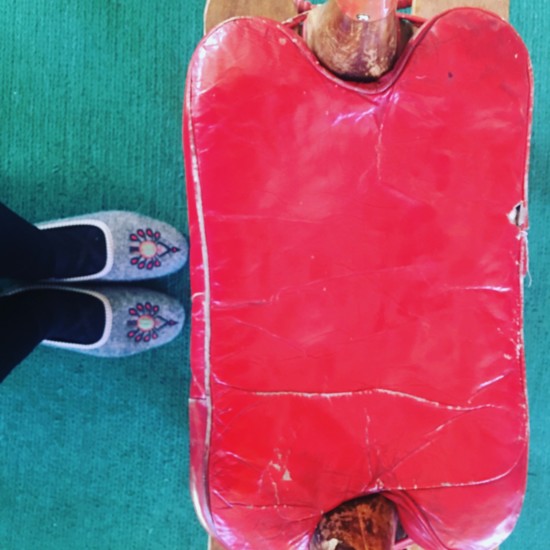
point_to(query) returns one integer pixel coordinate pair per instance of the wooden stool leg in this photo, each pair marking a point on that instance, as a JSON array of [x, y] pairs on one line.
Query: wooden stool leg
[[356, 47], [429, 8], [217, 11], [213, 545], [367, 523]]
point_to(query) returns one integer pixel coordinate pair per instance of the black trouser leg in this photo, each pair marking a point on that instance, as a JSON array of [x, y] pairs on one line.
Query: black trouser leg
[[33, 254], [26, 251], [28, 317], [20, 332]]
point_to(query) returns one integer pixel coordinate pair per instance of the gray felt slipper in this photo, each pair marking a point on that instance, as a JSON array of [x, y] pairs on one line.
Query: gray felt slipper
[[136, 320], [138, 247]]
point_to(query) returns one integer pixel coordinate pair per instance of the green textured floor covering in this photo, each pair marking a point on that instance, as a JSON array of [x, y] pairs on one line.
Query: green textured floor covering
[[94, 454]]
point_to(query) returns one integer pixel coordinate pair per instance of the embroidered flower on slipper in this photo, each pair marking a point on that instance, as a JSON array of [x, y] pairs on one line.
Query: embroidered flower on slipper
[[150, 249], [146, 322]]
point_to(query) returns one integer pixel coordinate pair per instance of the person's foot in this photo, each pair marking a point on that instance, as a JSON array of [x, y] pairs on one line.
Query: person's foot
[[103, 321], [114, 246]]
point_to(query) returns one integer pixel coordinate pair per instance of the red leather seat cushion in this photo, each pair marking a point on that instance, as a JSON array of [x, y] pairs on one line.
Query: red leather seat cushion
[[356, 265]]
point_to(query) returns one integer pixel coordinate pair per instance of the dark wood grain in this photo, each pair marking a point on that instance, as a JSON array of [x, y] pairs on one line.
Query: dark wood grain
[[367, 523], [351, 48]]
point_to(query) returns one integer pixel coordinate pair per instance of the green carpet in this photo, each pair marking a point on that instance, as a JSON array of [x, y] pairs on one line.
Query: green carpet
[[94, 453]]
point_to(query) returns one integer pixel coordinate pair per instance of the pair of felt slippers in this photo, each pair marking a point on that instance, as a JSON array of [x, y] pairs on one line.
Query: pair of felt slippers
[[117, 246]]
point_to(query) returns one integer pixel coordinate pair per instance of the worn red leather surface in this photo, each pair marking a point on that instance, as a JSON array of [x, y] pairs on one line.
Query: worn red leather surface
[[357, 255]]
